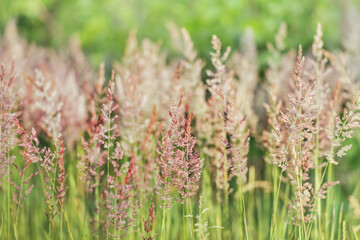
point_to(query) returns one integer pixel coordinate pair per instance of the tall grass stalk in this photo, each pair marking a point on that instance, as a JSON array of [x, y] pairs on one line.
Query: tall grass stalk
[[329, 200], [317, 177], [190, 219], [277, 177], [97, 205], [163, 232], [18, 208], [340, 221], [219, 219], [308, 229], [9, 204], [300, 145], [108, 170], [243, 210]]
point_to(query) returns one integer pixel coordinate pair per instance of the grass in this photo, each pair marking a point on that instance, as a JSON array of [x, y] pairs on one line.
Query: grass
[[193, 168]]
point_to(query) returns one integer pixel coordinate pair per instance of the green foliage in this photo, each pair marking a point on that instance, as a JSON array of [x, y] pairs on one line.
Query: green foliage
[[103, 26]]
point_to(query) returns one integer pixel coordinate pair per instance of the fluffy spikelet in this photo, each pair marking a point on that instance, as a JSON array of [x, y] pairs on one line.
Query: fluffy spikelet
[[67, 71], [275, 102], [118, 201], [231, 141], [202, 226], [179, 163], [24, 188], [318, 44], [296, 156], [46, 105], [8, 122], [245, 81], [343, 129], [102, 133]]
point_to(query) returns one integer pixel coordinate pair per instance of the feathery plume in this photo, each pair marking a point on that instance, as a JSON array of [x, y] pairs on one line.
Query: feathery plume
[[179, 163], [8, 122]]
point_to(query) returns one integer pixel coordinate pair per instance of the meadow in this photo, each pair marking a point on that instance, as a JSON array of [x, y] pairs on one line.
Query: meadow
[[180, 147]]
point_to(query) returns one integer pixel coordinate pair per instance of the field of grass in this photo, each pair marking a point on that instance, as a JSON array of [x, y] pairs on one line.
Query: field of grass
[[171, 146]]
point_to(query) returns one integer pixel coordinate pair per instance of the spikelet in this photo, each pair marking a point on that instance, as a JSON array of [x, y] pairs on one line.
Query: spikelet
[[231, 141], [179, 162], [8, 122], [148, 224]]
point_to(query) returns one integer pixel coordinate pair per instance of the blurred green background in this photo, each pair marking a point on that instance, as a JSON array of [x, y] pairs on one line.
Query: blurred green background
[[103, 25]]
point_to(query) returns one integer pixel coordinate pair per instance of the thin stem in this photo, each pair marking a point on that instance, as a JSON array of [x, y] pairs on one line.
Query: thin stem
[[299, 177], [84, 220], [328, 202], [163, 222], [226, 202], [316, 197], [9, 204], [190, 218], [61, 225], [317, 170], [108, 167], [184, 224], [218, 219], [243, 210], [275, 206], [62, 207], [68, 224], [284, 210], [299, 181], [18, 208], [49, 232], [327, 164], [54, 189], [98, 212]]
